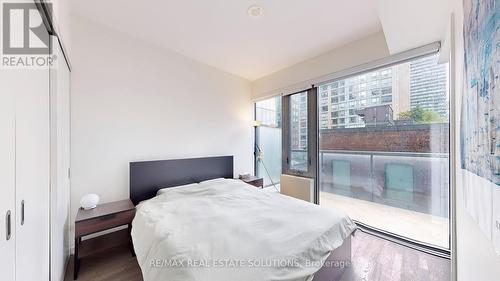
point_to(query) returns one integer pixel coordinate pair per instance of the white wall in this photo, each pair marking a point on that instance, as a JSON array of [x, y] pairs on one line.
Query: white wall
[[476, 259], [368, 49], [132, 101], [62, 19]]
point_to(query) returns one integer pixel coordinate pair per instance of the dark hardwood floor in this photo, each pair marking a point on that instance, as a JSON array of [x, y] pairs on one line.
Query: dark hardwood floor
[[376, 259], [114, 265], [373, 259]]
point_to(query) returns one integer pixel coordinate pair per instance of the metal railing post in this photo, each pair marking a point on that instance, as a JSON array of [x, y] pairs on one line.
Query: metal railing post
[[372, 173]]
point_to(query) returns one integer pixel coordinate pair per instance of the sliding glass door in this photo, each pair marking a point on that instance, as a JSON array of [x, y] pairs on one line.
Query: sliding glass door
[[300, 134], [384, 149]]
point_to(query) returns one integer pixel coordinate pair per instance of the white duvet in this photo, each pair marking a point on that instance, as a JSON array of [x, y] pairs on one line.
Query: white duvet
[[228, 230]]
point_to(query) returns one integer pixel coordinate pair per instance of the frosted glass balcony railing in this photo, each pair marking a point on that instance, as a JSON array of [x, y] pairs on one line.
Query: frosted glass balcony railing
[[269, 141], [403, 193], [413, 181]]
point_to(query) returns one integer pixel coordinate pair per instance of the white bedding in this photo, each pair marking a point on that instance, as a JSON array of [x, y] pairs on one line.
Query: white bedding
[[229, 230]]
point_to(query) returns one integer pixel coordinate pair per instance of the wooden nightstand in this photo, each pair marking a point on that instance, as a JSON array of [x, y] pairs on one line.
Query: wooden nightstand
[[103, 217], [255, 181]]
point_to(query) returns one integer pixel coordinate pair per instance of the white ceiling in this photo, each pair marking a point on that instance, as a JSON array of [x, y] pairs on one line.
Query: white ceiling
[[221, 34]]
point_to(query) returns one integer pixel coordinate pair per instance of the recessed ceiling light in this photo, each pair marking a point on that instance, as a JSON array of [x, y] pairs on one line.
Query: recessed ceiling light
[[255, 11]]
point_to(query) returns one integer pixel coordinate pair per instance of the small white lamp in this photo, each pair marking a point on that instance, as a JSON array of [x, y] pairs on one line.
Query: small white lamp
[[89, 201]]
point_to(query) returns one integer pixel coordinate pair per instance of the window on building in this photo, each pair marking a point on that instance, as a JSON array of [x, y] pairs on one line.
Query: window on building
[[386, 90], [386, 99], [385, 82]]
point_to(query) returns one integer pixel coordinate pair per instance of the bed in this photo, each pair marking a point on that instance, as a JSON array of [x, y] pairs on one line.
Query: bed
[[195, 222]]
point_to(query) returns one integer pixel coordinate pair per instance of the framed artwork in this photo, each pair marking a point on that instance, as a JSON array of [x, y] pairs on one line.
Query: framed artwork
[[480, 115]]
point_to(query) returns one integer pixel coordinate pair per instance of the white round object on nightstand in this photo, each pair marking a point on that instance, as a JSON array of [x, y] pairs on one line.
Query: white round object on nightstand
[[255, 11], [89, 201]]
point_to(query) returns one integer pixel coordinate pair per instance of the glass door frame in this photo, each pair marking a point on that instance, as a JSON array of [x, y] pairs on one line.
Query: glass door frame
[[312, 138]]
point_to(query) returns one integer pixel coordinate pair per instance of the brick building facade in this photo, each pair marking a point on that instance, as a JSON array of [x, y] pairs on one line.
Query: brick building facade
[[416, 138]]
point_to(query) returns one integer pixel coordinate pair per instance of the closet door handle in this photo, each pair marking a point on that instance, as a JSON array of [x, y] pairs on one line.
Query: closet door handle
[[22, 212], [8, 226]]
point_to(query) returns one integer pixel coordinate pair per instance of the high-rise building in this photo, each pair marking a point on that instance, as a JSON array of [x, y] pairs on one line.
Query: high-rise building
[[298, 114], [340, 100], [422, 82], [429, 85]]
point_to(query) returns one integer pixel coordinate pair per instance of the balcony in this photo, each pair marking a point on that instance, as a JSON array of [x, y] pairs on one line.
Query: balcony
[[394, 178], [400, 192]]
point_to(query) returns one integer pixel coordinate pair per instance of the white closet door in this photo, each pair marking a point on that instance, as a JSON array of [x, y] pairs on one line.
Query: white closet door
[[32, 176], [7, 174]]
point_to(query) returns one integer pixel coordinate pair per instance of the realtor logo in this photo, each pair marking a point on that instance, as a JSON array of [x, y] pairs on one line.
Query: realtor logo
[[23, 30], [25, 40]]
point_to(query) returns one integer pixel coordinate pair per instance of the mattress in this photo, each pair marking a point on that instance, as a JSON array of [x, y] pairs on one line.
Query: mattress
[[229, 230]]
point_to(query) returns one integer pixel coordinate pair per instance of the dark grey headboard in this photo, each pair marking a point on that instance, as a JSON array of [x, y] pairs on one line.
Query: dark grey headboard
[[149, 176]]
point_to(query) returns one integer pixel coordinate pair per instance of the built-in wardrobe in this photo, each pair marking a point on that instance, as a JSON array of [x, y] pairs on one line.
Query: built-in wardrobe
[[34, 168]]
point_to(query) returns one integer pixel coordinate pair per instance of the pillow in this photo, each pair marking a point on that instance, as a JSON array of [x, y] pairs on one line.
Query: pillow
[[212, 181], [163, 190]]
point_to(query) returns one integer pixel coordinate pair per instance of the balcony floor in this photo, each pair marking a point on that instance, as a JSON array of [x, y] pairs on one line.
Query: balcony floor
[[417, 226]]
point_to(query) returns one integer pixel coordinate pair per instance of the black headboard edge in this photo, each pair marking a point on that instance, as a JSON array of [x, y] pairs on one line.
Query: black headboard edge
[[147, 177]]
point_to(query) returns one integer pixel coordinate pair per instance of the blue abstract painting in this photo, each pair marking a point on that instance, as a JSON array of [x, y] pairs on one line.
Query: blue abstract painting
[[480, 132]]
